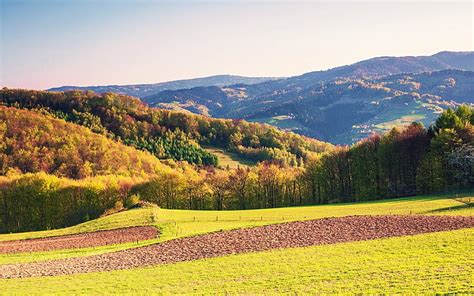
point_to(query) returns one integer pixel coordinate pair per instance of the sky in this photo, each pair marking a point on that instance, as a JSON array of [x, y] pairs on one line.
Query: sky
[[48, 43]]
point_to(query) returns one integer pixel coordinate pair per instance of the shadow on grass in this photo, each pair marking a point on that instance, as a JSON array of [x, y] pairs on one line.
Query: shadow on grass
[[451, 209]]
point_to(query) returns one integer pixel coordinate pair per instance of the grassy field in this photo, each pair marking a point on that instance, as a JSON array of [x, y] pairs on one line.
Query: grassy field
[[283, 122], [272, 271], [438, 262]]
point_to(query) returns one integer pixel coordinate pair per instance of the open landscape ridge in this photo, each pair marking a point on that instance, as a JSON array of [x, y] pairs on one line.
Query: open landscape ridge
[[201, 235], [344, 104]]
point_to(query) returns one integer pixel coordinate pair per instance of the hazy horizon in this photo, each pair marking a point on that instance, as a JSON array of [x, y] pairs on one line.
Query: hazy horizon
[[53, 43]]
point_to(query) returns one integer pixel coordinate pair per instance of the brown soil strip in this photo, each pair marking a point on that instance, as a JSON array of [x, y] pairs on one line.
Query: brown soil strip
[[286, 235], [82, 240]]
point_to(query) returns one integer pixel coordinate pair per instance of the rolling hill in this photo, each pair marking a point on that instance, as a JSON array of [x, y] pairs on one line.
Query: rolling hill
[[344, 104], [143, 90]]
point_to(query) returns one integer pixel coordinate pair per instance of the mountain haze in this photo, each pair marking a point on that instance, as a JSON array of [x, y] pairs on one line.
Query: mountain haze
[[142, 90]]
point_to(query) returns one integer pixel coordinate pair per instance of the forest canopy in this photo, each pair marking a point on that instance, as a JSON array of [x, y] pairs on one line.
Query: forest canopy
[[32, 142]]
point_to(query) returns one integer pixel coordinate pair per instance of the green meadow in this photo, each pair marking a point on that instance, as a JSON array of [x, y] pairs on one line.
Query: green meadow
[[180, 223]]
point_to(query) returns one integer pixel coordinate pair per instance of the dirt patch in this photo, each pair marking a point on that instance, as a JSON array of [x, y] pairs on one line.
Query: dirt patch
[[82, 240], [286, 235]]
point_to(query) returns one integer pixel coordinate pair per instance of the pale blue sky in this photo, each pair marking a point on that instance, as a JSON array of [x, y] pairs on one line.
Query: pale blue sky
[[51, 43]]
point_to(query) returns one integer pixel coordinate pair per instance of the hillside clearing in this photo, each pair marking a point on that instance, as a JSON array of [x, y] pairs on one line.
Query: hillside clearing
[[229, 159]]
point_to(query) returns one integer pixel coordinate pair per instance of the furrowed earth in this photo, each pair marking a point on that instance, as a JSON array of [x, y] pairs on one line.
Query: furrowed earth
[[285, 235], [84, 240], [108, 250]]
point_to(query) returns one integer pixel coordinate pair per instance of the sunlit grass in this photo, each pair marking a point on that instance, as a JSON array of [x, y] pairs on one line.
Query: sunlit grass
[[229, 159], [178, 223], [430, 263]]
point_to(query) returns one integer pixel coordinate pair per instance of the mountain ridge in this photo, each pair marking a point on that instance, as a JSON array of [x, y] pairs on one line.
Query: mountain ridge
[[146, 89]]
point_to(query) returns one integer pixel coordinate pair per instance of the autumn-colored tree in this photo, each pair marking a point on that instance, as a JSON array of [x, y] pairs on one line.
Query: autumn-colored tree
[[219, 183], [239, 185]]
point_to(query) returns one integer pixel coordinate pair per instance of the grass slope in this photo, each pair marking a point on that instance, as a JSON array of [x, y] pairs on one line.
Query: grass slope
[[138, 217], [438, 262], [229, 159], [207, 221]]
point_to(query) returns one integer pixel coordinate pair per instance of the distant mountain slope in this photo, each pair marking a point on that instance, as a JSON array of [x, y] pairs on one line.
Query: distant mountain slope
[[341, 104], [383, 66], [143, 90], [347, 110]]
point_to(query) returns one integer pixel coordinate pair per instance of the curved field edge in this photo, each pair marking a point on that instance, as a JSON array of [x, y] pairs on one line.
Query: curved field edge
[[427, 263], [181, 223], [432, 204]]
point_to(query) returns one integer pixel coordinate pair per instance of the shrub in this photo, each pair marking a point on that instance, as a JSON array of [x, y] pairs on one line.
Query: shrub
[[132, 200]]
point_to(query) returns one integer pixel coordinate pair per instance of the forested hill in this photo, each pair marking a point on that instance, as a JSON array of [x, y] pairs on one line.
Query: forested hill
[[400, 163], [167, 134], [31, 142]]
